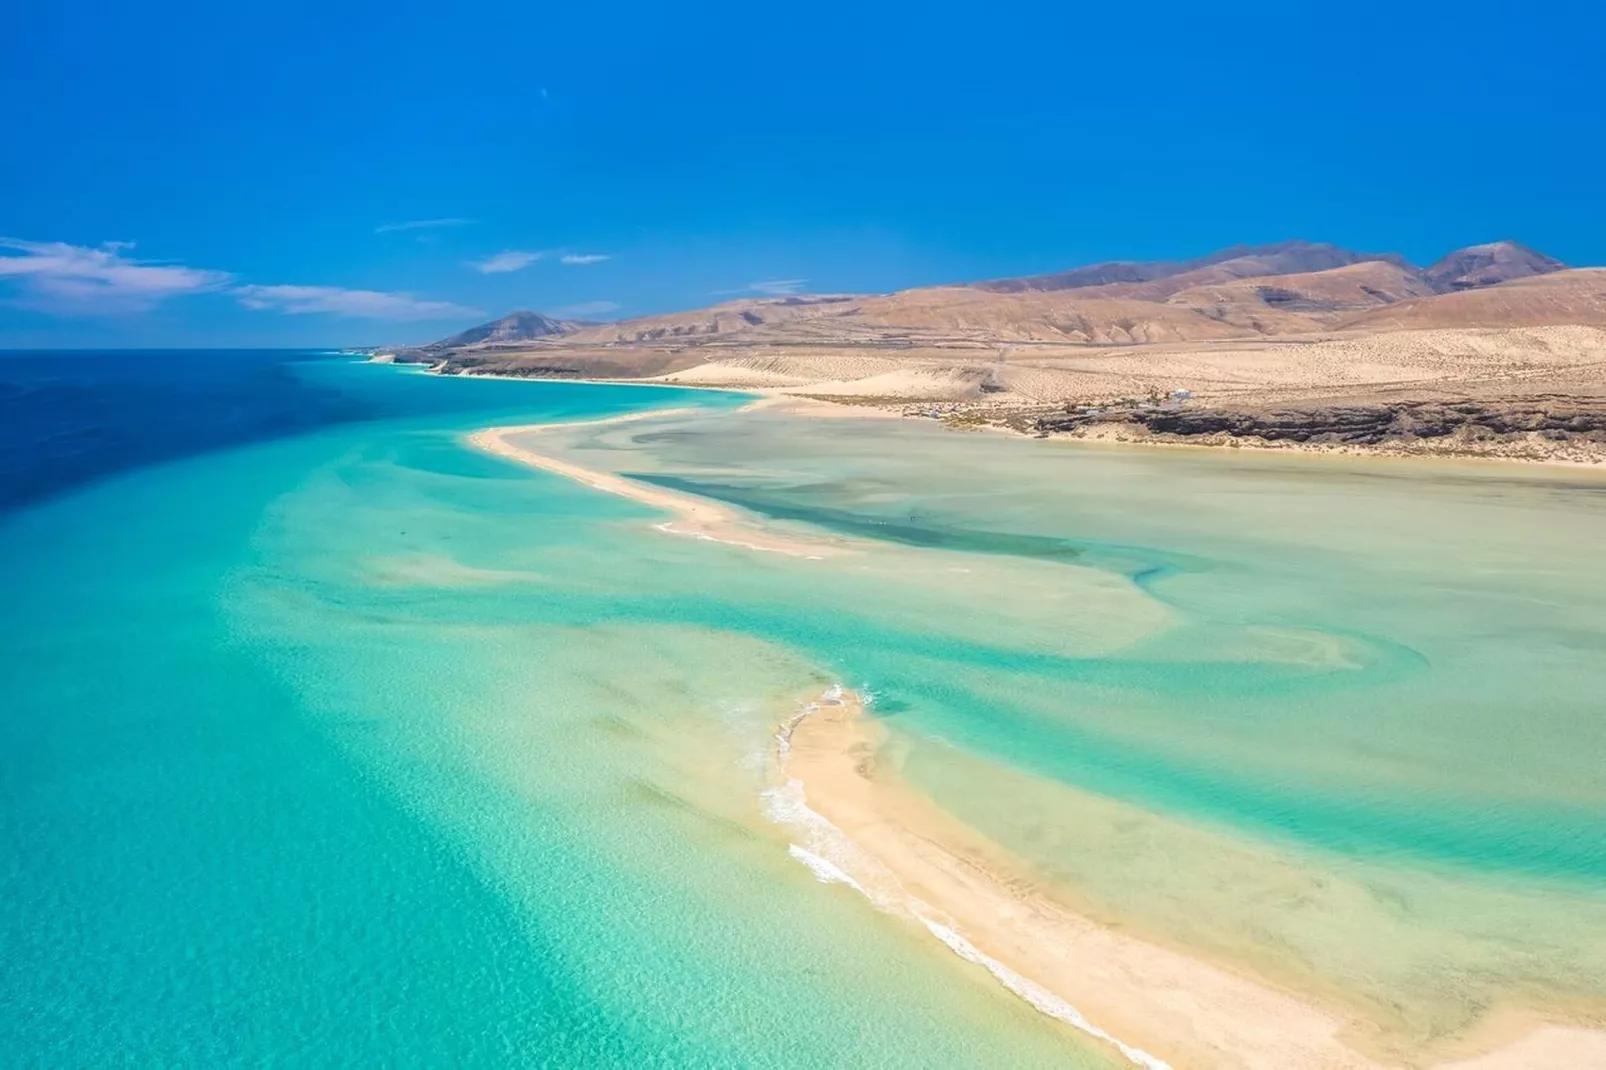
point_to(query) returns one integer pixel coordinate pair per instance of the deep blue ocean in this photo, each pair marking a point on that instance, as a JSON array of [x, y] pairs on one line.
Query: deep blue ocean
[[71, 416]]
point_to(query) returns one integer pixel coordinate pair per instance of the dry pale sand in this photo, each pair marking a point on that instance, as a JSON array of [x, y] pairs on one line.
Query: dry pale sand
[[1224, 370], [858, 824], [813, 408], [695, 517]]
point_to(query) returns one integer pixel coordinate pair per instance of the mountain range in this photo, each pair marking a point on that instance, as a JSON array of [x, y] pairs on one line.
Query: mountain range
[[1288, 288], [1495, 348]]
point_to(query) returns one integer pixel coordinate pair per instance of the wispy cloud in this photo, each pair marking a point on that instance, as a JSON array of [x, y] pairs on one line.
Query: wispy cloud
[[421, 224], [778, 287], [584, 310], [506, 260], [519, 259], [67, 279], [338, 301], [769, 288], [77, 280]]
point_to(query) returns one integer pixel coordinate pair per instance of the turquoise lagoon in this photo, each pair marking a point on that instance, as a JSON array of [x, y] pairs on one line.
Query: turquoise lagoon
[[351, 745]]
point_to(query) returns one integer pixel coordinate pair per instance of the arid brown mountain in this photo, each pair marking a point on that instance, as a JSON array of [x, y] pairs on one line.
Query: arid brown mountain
[[1489, 265], [1308, 301], [718, 321], [513, 327], [1575, 296], [1278, 290], [1495, 349], [1154, 280], [962, 315]]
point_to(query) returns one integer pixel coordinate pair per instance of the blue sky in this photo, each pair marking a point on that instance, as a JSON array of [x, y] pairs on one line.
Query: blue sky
[[338, 173]]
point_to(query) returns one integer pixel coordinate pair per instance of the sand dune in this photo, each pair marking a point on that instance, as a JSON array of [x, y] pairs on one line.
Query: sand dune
[[1344, 363]]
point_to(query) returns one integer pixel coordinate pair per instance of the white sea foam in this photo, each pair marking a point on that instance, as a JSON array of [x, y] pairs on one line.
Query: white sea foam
[[832, 696], [668, 527], [1035, 994], [786, 805], [825, 870], [783, 735]]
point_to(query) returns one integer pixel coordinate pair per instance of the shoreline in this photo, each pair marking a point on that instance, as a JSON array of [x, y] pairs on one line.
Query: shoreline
[[1157, 1007], [763, 397], [694, 517], [847, 407], [853, 821]]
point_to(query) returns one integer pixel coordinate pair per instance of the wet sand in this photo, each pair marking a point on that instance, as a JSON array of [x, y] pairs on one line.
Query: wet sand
[[695, 517], [860, 825]]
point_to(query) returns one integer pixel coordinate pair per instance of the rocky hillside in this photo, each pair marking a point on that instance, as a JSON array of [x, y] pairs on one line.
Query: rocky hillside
[[513, 327], [1289, 289], [1154, 280], [1576, 296], [1489, 265]]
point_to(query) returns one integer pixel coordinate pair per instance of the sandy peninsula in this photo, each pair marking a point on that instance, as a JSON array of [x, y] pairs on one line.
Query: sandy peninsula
[[857, 823], [694, 517]]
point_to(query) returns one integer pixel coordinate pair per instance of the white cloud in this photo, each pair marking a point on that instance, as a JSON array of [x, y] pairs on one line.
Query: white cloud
[[70, 279], [77, 280], [337, 301], [507, 260], [585, 258], [421, 224], [584, 310], [777, 287], [769, 288]]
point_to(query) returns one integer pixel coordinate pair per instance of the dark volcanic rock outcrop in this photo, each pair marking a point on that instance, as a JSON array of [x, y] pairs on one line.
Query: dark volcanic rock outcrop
[[1559, 419]]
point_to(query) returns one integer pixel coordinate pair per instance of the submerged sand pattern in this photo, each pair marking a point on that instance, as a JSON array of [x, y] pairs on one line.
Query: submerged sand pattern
[[865, 828], [858, 822]]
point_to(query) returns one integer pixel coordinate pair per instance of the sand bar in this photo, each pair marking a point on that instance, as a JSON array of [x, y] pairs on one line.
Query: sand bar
[[694, 517], [858, 824]]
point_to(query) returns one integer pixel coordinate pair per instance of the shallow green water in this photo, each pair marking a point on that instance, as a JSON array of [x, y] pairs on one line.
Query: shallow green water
[[363, 747], [357, 749], [1339, 720]]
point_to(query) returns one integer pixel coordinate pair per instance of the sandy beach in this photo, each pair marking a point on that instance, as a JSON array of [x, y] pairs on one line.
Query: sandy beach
[[694, 517], [861, 826], [1005, 418]]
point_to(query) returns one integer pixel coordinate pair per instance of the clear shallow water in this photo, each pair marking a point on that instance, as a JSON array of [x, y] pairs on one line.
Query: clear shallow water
[[358, 746], [1335, 720], [325, 750]]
